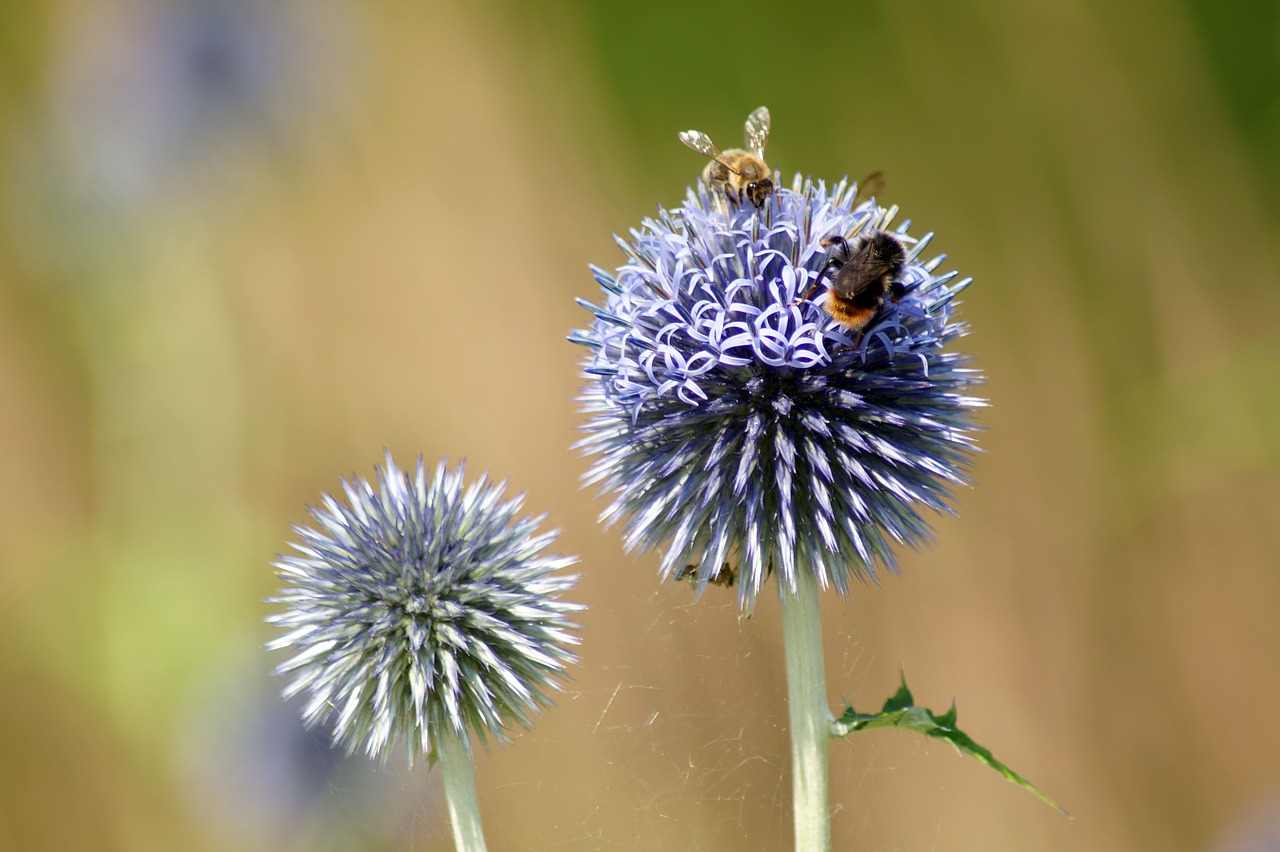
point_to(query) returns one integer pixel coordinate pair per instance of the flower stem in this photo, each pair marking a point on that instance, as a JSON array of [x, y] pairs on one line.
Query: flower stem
[[460, 792], [810, 715]]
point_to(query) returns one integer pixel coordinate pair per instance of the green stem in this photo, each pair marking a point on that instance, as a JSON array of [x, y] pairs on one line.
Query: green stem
[[810, 715], [460, 792]]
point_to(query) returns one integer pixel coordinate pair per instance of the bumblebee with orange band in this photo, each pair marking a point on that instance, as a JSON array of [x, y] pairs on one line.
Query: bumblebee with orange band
[[862, 273]]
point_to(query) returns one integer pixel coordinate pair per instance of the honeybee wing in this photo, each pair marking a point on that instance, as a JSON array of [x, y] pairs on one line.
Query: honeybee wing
[[871, 185], [701, 142], [757, 131]]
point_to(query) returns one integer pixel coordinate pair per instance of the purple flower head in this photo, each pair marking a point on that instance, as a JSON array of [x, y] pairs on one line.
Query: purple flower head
[[420, 605], [738, 427]]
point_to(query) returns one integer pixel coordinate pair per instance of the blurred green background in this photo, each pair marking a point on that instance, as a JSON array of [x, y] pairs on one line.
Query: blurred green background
[[244, 246]]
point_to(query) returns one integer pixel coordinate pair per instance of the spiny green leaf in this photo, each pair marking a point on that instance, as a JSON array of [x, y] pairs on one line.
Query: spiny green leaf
[[900, 712]]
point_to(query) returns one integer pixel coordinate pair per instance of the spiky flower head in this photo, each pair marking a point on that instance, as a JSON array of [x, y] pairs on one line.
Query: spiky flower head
[[422, 608], [744, 432]]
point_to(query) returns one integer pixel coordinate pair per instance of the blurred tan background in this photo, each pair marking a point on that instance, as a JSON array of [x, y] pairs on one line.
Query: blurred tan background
[[247, 245]]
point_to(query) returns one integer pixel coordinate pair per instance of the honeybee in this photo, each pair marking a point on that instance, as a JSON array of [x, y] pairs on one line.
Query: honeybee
[[736, 172], [863, 272]]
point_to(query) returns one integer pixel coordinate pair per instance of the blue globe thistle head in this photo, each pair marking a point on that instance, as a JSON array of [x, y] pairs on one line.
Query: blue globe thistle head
[[422, 607], [739, 428]]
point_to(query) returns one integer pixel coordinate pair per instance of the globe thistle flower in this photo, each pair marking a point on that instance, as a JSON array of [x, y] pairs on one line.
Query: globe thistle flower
[[738, 427], [152, 98], [421, 610]]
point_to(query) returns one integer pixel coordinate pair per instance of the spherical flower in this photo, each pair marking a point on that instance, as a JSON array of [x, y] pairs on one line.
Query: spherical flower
[[155, 97], [422, 609], [739, 428]]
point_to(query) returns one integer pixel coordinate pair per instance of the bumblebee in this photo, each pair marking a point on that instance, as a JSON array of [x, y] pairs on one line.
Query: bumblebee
[[862, 272], [738, 173]]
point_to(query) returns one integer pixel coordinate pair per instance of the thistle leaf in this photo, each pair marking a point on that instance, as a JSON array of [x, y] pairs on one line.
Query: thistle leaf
[[900, 712]]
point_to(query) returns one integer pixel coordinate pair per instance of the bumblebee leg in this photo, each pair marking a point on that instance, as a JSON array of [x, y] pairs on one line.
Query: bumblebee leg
[[816, 283]]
